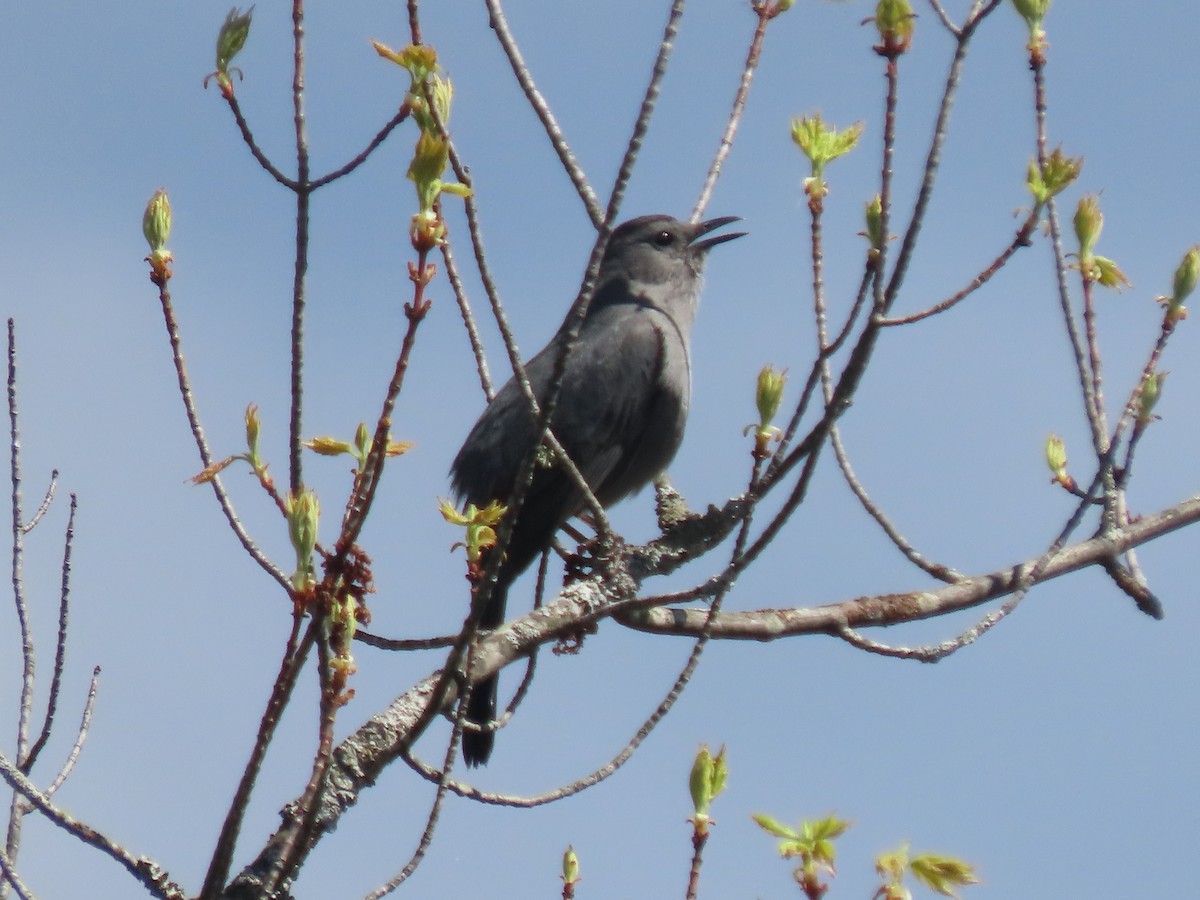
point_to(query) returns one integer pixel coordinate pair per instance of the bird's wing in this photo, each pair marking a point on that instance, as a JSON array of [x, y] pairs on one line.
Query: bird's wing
[[619, 418]]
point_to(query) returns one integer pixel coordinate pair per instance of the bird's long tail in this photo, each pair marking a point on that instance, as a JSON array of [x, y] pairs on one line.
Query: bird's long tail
[[481, 708]]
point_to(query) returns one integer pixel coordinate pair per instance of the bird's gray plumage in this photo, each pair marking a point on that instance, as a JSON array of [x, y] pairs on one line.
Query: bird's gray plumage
[[620, 413]]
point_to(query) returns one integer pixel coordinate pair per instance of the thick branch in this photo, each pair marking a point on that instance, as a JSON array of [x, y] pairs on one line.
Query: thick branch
[[893, 609], [360, 759]]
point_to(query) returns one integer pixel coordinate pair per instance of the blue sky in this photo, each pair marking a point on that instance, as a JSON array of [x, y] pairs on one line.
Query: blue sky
[[1058, 753]]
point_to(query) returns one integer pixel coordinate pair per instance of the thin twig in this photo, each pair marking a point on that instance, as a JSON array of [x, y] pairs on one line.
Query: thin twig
[[468, 317], [542, 109], [945, 17], [401, 114], [765, 12], [937, 570], [60, 649], [933, 159], [374, 640], [28, 665], [47, 499], [431, 820], [10, 878], [255, 150], [206, 458], [85, 724], [303, 190], [146, 871], [1022, 239], [640, 126]]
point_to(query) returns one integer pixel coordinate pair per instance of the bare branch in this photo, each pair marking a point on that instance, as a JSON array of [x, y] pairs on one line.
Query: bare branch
[[569, 163], [47, 499], [10, 878], [28, 664], [146, 871], [765, 12], [937, 570], [85, 724], [401, 114], [206, 459], [1022, 239], [60, 649]]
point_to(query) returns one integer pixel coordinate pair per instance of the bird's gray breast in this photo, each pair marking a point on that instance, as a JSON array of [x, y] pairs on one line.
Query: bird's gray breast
[[636, 374]]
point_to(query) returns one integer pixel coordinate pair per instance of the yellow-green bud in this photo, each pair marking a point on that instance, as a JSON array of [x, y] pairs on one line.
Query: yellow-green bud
[[1108, 273], [253, 426], [232, 38], [942, 873], [822, 144], [1033, 12], [892, 865], [419, 60], [707, 780], [1149, 394], [769, 394], [894, 20], [326, 445], [1186, 276], [303, 515], [1054, 176], [479, 523], [443, 94], [428, 163], [570, 866], [874, 216], [362, 442], [1056, 454], [1089, 222], [1056, 459], [156, 221], [774, 827]]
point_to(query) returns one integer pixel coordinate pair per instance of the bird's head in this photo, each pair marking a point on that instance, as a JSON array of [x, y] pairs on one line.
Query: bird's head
[[659, 249]]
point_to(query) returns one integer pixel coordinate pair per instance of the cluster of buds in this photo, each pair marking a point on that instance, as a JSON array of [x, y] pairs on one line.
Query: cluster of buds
[[342, 623], [941, 874], [251, 456], [706, 783], [768, 396], [812, 843], [428, 100], [156, 226], [1186, 276], [1089, 222], [822, 144], [359, 448], [1053, 176], [230, 41], [480, 525]]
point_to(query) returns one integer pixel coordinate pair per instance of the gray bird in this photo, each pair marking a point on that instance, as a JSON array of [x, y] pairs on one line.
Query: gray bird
[[620, 414]]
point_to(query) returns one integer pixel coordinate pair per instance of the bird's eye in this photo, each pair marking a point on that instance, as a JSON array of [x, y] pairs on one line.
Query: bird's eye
[[664, 239]]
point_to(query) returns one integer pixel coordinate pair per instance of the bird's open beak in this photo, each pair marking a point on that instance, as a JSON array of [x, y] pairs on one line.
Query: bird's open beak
[[711, 225]]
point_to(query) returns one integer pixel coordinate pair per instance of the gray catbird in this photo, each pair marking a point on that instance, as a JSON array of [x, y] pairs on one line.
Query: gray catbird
[[621, 408]]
